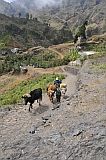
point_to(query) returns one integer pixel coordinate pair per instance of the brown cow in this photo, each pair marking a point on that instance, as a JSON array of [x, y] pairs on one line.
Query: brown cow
[[51, 89]]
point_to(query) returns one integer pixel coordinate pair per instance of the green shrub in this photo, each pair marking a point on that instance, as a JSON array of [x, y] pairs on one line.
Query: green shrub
[[72, 55], [4, 41], [95, 47]]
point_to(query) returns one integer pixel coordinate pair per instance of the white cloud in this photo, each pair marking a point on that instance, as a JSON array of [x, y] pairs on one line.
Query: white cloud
[[8, 0]]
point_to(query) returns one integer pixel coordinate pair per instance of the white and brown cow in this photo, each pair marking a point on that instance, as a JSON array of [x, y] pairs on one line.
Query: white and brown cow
[[63, 88]]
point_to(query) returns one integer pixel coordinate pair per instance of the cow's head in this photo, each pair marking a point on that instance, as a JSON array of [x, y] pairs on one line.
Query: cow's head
[[26, 98]]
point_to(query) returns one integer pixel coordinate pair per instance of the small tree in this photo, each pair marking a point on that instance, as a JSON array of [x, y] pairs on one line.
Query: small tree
[[81, 31]]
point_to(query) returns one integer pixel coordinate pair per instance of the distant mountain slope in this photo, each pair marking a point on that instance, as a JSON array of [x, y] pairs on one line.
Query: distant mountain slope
[[10, 8], [56, 13], [75, 12], [24, 32], [5, 7]]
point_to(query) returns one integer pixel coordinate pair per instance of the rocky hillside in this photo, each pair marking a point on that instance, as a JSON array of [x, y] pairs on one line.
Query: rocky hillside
[[75, 12]]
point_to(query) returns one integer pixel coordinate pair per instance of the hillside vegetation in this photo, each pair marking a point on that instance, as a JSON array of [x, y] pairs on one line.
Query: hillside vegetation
[[13, 94], [25, 32], [14, 84], [45, 59]]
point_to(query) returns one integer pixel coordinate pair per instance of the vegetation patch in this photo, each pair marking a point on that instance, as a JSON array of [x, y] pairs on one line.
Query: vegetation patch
[[4, 41], [72, 55], [95, 47], [42, 60], [14, 95]]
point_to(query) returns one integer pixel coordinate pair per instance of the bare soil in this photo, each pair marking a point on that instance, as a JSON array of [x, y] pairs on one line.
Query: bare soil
[[74, 129]]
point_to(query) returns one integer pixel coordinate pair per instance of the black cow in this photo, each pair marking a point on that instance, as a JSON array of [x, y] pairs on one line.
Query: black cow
[[32, 96]]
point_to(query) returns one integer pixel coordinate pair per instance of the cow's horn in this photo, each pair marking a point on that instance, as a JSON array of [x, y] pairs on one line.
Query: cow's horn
[[27, 95]]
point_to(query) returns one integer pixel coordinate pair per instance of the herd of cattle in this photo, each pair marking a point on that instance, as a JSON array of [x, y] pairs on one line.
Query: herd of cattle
[[52, 91]]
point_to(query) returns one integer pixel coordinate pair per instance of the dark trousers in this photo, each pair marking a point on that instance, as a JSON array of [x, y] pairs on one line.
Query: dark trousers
[[58, 97]]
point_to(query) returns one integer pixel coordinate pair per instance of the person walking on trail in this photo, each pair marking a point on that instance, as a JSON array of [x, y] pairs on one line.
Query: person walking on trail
[[58, 94], [57, 82]]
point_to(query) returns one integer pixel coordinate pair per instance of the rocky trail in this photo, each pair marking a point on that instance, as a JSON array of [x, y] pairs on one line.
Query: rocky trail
[[75, 129]]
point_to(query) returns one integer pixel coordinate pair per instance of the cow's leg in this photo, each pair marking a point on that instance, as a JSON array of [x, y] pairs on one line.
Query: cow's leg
[[30, 106], [51, 99], [39, 102], [40, 99]]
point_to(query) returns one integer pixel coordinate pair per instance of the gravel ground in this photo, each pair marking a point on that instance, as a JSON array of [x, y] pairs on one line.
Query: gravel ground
[[75, 129]]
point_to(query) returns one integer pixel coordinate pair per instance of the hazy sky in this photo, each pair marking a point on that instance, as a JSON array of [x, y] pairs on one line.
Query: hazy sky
[[14, 0], [9, 0], [39, 3]]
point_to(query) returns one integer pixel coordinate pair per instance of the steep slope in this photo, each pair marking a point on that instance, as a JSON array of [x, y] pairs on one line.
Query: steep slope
[[73, 130]]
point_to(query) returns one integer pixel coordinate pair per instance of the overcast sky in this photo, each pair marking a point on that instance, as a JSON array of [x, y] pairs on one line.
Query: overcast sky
[[39, 3], [41, 0], [9, 0]]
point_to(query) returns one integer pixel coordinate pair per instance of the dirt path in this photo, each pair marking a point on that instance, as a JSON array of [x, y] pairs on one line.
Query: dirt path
[[55, 51], [73, 130], [61, 49]]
